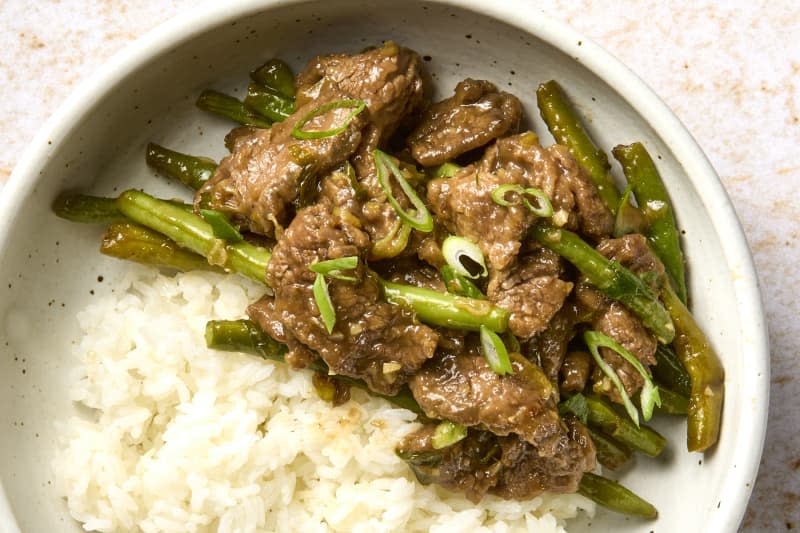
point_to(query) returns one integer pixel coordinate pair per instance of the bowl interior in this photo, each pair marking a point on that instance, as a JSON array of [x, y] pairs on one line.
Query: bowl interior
[[50, 268]]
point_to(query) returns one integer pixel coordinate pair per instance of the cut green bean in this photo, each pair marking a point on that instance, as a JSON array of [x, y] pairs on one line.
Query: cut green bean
[[229, 107], [610, 278], [705, 371], [610, 453], [564, 124], [87, 209], [654, 201], [268, 103], [447, 310], [190, 170], [460, 285], [614, 496], [194, 233], [275, 75], [670, 371], [604, 417], [125, 240]]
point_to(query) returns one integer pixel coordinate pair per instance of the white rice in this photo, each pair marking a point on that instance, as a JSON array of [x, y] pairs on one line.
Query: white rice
[[182, 439]]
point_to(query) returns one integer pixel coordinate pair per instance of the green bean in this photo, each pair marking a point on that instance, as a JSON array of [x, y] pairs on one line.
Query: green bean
[[654, 201], [268, 103], [670, 371], [610, 454], [614, 496], [672, 403], [246, 337], [87, 209], [194, 233], [275, 75], [125, 240], [705, 371], [447, 310], [609, 277], [190, 170], [564, 124], [229, 107], [459, 284], [604, 417]]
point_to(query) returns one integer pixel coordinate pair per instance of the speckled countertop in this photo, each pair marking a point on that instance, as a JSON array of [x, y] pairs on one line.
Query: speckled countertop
[[730, 71]]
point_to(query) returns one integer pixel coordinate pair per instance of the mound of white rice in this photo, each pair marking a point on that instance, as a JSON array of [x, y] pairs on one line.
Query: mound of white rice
[[184, 439]]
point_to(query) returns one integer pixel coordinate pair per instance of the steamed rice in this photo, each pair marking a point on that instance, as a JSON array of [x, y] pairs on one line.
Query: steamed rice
[[186, 439]]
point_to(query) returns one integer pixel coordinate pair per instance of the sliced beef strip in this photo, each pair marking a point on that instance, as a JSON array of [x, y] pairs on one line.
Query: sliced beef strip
[[463, 388], [506, 466], [531, 290], [575, 371], [464, 206], [526, 473], [263, 313], [574, 197], [548, 348], [474, 116], [373, 340], [613, 319], [391, 82]]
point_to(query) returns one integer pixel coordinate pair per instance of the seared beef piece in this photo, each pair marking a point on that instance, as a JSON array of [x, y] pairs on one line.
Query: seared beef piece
[[547, 349], [527, 473], [575, 371], [474, 116], [263, 313], [390, 81], [553, 170], [464, 205], [612, 318], [270, 172], [633, 252], [531, 291], [506, 466], [373, 340], [463, 388], [470, 466]]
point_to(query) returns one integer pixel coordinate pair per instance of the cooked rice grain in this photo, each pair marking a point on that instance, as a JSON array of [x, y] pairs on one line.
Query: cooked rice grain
[[184, 439]]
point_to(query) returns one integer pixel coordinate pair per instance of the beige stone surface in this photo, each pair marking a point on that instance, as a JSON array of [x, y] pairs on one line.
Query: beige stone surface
[[730, 70]]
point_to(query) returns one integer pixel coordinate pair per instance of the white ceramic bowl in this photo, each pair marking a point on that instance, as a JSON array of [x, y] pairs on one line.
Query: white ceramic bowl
[[96, 143]]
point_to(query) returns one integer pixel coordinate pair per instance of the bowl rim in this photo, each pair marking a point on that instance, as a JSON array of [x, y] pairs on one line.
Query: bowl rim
[[738, 482]]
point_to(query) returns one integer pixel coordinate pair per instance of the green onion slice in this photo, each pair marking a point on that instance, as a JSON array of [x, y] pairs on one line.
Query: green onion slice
[[495, 352], [420, 219], [334, 268], [520, 195], [324, 304], [464, 256], [460, 285], [446, 434], [357, 105], [649, 397], [220, 226]]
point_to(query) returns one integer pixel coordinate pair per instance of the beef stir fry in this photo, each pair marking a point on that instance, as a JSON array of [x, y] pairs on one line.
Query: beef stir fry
[[439, 256]]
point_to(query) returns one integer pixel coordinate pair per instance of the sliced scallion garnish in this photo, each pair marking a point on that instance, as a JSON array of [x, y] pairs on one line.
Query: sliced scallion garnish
[[446, 434], [495, 352], [464, 256], [420, 219], [520, 195], [649, 397], [324, 303], [220, 226], [334, 268], [357, 105], [460, 285]]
